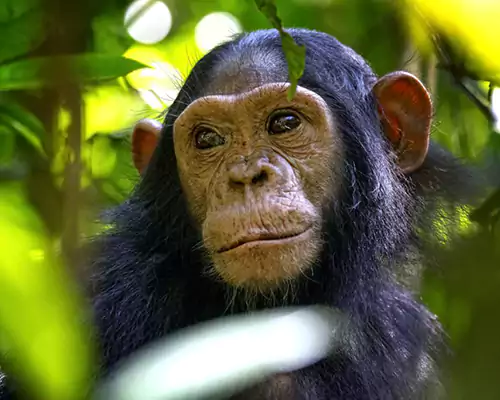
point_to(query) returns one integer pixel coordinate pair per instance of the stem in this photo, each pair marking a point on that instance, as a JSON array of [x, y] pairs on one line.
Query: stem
[[431, 78], [72, 177]]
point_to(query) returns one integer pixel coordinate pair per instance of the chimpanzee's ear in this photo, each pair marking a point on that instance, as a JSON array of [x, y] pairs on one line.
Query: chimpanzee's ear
[[144, 140], [405, 109]]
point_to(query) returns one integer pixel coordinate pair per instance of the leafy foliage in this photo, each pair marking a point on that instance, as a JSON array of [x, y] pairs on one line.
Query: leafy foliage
[[35, 155], [40, 315], [27, 31], [41, 312], [22, 122]]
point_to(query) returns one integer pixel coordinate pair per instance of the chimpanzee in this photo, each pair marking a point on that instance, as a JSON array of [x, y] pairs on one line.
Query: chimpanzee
[[248, 200]]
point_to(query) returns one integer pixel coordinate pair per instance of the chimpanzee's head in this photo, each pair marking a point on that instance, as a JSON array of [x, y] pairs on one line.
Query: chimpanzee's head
[[269, 181]]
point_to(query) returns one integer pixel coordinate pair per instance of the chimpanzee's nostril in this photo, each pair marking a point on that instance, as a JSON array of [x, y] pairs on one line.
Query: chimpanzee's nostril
[[260, 178]]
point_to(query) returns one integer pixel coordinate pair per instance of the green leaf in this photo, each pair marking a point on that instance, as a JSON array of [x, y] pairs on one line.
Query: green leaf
[[86, 68], [295, 54], [24, 123], [110, 36], [41, 312], [117, 183], [12, 9], [296, 59], [7, 146], [25, 34]]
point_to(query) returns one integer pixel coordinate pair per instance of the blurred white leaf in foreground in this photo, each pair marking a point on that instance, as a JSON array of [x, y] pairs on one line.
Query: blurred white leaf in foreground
[[221, 357]]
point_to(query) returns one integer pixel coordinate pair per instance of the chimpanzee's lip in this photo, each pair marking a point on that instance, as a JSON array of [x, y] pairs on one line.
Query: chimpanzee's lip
[[263, 237]]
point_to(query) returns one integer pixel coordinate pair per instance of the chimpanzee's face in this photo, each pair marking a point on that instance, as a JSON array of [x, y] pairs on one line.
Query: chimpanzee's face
[[257, 171]]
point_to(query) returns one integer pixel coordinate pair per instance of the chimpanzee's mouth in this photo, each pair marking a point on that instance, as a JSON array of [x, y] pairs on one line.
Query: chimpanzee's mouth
[[263, 237]]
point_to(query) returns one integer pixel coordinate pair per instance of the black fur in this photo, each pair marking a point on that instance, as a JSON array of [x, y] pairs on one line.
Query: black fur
[[150, 277]]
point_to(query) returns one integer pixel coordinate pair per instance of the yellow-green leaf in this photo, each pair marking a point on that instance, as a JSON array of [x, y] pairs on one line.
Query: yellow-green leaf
[[41, 319], [103, 158], [85, 68], [295, 54], [473, 25]]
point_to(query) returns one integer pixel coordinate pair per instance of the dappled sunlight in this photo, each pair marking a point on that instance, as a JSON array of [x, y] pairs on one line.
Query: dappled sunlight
[[461, 223], [216, 28], [157, 85], [148, 21], [107, 107]]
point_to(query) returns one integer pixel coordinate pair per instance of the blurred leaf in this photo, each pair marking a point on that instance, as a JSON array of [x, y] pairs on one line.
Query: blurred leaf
[[87, 68], [295, 54], [25, 34], [103, 159], [164, 369], [472, 25], [459, 125], [180, 50], [110, 35], [493, 148], [119, 182], [11, 9], [24, 123], [101, 113], [7, 145], [41, 319]]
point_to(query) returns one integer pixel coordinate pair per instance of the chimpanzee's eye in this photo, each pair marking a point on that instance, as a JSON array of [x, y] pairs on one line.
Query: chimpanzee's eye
[[282, 122], [207, 138]]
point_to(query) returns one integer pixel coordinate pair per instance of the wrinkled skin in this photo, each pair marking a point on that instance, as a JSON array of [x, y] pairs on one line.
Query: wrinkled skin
[[257, 196]]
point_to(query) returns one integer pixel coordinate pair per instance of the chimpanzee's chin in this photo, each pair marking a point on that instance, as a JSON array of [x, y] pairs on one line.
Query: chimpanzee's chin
[[266, 265]]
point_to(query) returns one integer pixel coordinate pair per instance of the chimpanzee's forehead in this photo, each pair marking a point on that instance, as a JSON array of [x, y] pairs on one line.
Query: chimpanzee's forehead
[[237, 73]]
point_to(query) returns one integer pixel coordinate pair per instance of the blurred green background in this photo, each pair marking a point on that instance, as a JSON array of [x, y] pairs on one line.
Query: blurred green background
[[75, 76]]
